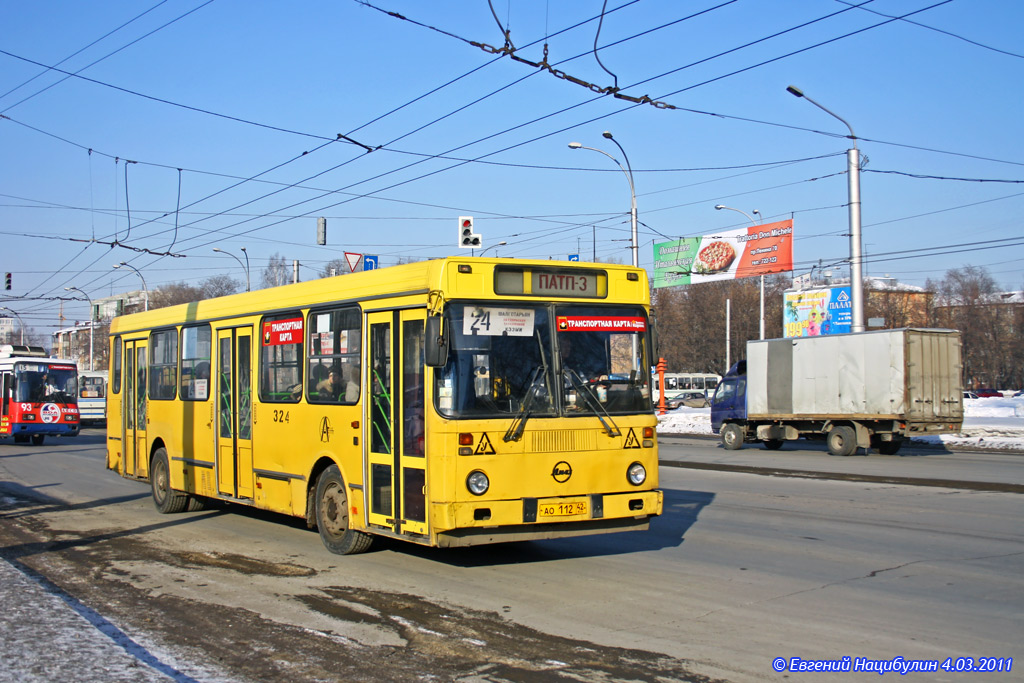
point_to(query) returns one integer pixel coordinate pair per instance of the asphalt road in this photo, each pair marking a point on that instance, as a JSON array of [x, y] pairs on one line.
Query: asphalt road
[[743, 568]]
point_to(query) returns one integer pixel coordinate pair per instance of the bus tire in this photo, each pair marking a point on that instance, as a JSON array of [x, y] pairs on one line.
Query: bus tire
[[332, 516], [732, 436], [841, 440], [38, 439], [20, 438], [166, 499]]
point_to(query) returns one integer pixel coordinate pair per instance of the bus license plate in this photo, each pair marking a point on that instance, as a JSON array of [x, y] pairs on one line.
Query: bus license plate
[[562, 508]]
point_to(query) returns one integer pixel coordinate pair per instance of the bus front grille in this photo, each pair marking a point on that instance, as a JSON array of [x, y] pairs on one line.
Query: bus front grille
[[564, 441]]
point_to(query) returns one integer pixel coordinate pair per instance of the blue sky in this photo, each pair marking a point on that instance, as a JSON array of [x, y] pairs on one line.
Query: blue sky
[[248, 99]]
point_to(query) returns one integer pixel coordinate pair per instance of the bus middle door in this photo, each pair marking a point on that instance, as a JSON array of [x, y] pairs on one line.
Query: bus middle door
[[395, 473], [234, 412], [134, 408]]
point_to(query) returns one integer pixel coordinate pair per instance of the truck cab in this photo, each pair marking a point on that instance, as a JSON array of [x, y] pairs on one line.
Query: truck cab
[[729, 402]]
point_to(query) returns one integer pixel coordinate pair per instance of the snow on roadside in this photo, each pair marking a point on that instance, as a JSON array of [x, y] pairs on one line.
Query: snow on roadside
[[992, 423]]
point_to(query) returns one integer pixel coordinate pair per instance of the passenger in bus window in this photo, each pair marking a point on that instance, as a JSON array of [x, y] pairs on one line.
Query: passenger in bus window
[[332, 386], [351, 374]]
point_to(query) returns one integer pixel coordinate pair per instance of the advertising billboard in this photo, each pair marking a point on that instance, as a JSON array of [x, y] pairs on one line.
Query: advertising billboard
[[729, 254], [815, 312]]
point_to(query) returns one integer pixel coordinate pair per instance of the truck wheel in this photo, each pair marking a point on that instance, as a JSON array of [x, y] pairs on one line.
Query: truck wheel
[[841, 440], [773, 444], [166, 499], [890, 447], [332, 516], [732, 437]]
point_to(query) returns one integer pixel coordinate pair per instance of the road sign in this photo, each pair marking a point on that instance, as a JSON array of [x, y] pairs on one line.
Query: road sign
[[574, 257], [371, 262], [352, 260]]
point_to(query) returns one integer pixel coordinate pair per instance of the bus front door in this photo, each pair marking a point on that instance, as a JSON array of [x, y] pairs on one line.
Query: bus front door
[[395, 471], [234, 412], [134, 409]]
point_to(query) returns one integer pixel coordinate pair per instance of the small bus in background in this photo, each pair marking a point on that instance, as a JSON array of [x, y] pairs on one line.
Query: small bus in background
[[38, 395], [678, 381], [92, 396]]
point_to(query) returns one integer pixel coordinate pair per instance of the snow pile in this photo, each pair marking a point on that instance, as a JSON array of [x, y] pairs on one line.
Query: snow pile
[[993, 423]]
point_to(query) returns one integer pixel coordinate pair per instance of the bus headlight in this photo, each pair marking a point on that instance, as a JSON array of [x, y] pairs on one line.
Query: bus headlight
[[477, 483], [637, 474]]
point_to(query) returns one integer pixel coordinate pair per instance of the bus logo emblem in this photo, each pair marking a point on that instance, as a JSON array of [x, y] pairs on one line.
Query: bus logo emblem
[[561, 472], [50, 413]]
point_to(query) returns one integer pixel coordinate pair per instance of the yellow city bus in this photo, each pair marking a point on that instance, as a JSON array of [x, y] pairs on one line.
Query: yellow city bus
[[452, 402]]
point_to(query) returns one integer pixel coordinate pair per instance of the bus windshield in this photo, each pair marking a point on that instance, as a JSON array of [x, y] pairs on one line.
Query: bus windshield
[[502, 355], [41, 382]]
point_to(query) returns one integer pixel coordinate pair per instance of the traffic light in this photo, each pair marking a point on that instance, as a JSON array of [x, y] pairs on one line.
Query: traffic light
[[7, 281], [467, 238]]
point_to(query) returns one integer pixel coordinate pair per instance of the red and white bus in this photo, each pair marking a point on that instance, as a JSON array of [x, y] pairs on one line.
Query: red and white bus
[[39, 395]]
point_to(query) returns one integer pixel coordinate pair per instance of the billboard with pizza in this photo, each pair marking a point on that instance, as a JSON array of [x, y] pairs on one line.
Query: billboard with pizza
[[743, 252]]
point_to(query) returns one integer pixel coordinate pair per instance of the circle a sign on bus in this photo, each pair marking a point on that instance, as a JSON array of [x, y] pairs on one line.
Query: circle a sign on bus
[[50, 413]]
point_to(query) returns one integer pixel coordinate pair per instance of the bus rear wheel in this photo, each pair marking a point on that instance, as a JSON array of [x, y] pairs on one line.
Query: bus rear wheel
[[166, 499], [332, 516], [38, 439]]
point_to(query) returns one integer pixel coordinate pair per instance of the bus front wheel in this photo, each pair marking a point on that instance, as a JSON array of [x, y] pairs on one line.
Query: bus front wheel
[[166, 499], [332, 516]]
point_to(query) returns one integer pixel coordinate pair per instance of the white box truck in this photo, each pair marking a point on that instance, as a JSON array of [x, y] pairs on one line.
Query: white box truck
[[860, 390]]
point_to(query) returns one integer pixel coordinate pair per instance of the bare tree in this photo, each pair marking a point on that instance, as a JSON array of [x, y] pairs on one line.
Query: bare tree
[[219, 285], [338, 266], [691, 321], [277, 272], [966, 300]]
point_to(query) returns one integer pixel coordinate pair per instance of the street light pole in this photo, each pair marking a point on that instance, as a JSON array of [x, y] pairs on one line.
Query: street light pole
[[145, 290], [856, 259], [493, 246], [722, 206], [91, 325], [20, 321], [246, 266], [628, 171]]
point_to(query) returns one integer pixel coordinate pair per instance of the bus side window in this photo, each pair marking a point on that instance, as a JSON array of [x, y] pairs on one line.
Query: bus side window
[[116, 377]]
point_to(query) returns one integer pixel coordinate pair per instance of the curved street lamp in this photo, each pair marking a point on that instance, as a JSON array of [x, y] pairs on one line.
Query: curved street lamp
[[145, 290], [856, 259], [246, 266], [91, 324], [493, 246], [628, 171], [719, 207], [11, 310]]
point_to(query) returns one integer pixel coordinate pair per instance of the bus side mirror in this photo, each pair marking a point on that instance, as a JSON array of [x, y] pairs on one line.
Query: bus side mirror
[[655, 348], [436, 351]]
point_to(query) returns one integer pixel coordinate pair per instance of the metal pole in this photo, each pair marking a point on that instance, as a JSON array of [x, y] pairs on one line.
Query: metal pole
[[145, 290], [856, 261], [728, 337], [751, 219], [239, 261], [247, 287], [91, 326], [632, 191], [19, 320]]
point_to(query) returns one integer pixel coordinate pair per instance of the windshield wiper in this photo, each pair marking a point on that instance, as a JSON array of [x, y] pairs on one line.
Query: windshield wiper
[[583, 389], [518, 426]]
